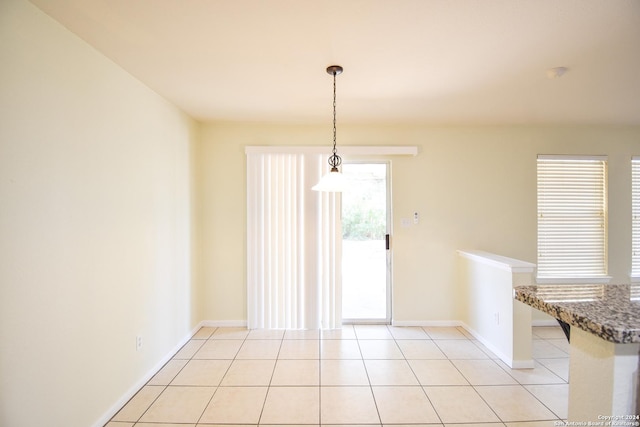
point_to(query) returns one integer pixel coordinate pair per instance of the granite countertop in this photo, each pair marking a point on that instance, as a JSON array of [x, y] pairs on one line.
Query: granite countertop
[[611, 312]]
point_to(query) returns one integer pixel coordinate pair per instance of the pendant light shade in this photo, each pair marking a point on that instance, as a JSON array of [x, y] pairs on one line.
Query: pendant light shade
[[333, 181]]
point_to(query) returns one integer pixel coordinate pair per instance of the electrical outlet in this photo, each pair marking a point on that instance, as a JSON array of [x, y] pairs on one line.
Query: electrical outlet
[[496, 317], [138, 343]]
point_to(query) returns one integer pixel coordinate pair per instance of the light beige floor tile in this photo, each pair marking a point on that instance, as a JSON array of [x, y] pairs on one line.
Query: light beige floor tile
[[137, 406], [343, 372], [548, 423], [235, 405], [408, 333], [202, 373], [417, 425], [475, 425], [408, 405], [348, 405], [555, 397], [466, 333], [179, 405], [437, 372], [380, 349], [485, 349], [296, 373], [542, 349], [345, 333], [302, 334], [165, 425], [265, 334], [189, 349], [218, 349], [420, 349], [299, 349], [279, 425], [536, 375], [203, 333], [483, 372], [514, 403], [460, 405], [340, 349], [372, 332], [168, 372], [561, 343], [548, 332], [559, 366], [390, 372], [230, 334], [259, 349], [292, 405], [249, 373], [444, 333], [368, 425], [458, 349]]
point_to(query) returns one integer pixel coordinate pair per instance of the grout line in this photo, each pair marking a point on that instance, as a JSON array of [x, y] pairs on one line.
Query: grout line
[[373, 395], [273, 372], [216, 389], [418, 379]]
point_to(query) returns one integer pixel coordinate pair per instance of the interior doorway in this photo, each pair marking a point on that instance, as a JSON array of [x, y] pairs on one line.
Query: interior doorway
[[366, 258]]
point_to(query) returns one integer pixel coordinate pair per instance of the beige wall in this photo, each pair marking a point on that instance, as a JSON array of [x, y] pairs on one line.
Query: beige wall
[[115, 206], [96, 226], [475, 188]]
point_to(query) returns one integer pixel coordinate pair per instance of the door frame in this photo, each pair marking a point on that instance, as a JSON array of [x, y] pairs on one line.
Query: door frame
[[389, 252]]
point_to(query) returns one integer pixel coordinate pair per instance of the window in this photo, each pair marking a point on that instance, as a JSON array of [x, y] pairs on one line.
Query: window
[[572, 218], [635, 217]]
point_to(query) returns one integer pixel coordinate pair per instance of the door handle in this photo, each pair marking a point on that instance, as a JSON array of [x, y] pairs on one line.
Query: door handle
[[387, 239]]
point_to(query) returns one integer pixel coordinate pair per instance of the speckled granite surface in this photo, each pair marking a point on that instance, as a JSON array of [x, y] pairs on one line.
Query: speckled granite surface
[[611, 312]]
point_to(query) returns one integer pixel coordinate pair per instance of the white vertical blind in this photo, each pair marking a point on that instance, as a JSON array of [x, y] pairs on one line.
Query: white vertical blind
[[329, 241], [635, 216], [293, 244], [572, 217]]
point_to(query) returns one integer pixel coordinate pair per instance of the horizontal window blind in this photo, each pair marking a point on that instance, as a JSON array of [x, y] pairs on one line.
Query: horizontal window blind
[[635, 216], [572, 217]]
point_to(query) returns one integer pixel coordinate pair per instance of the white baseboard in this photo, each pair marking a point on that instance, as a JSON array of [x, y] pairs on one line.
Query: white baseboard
[[551, 322], [513, 364], [224, 323], [439, 323], [145, 379]]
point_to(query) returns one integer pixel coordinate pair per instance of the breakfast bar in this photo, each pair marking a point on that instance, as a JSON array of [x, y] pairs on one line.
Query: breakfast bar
[[604, 324]]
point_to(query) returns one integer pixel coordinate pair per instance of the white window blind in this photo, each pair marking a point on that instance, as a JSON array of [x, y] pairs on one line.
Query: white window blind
[[635, 216], [572, 217]]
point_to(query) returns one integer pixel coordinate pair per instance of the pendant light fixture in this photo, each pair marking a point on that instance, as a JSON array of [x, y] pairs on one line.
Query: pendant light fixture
[[333, 181]]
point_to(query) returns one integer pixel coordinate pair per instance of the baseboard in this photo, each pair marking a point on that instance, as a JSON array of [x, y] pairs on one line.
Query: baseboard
[[513, 364], [438, 323], [523, 364], [144, 380], [552, 322], [224, 323]]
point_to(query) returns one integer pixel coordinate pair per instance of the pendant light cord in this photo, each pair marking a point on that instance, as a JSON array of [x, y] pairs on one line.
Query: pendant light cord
[[334, 159]]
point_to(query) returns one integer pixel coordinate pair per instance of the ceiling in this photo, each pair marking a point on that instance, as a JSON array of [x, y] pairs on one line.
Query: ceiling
[[419, 61]]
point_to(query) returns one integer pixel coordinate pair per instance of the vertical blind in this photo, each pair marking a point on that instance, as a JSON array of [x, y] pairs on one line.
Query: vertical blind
[[572, 217], [293, 244], [635, 216]]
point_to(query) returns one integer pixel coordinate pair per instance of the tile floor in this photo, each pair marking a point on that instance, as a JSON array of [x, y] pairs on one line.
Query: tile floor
[[360, 375]]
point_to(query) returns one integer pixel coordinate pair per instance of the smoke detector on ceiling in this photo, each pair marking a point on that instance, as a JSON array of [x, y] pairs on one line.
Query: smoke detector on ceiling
[[557, 72]]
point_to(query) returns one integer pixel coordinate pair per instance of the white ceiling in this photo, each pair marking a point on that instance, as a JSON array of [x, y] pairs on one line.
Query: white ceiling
[[426, 61]]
